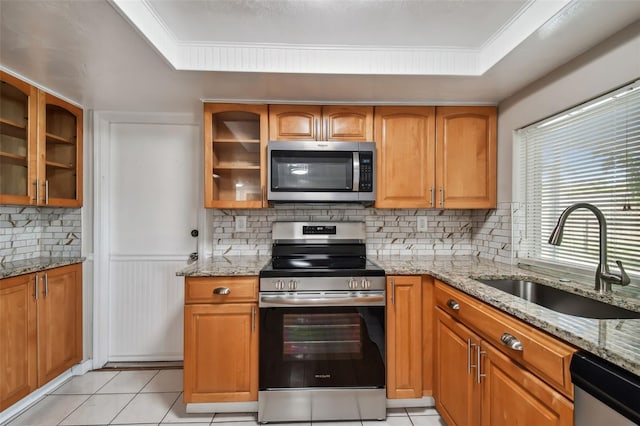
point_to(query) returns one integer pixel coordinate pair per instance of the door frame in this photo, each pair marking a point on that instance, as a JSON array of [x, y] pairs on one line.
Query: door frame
[[102, 138]]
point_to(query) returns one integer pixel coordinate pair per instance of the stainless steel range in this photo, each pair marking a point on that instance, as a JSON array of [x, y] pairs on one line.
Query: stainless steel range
[[322, 326]]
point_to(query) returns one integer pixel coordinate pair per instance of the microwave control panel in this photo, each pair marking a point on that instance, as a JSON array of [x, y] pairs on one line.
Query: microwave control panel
[[366, 172]]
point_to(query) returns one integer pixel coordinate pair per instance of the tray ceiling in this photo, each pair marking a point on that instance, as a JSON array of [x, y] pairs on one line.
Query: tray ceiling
[[390, 37]]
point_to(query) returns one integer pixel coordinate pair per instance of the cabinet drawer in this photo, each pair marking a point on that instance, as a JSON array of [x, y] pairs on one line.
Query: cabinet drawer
[[544, 355], [214, 289]]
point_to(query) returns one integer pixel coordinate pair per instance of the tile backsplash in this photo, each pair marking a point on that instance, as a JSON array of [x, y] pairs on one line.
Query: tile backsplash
[[484, 233], [30, 232]]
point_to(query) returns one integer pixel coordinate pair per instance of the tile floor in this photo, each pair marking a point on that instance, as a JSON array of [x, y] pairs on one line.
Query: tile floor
[[154, 397]]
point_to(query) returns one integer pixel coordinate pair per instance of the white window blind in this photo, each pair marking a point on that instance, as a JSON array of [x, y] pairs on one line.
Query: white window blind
[[588, 154]]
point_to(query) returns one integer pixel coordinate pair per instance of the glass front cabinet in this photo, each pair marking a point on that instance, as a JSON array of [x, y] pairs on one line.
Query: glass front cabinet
[[235, 155], [40, 147]]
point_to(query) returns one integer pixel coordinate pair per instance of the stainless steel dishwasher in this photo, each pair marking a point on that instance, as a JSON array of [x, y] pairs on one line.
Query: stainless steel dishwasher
[[605, 394]]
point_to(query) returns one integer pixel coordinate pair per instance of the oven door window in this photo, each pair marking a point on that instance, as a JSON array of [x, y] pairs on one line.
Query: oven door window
[[321, 336], [322, 347], [311, 171]]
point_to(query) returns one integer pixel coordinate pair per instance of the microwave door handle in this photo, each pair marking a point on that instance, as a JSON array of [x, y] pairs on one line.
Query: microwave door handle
[[356, 171]]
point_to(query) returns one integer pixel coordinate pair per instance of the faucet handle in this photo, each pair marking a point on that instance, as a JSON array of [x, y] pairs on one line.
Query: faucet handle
[[624, 278]]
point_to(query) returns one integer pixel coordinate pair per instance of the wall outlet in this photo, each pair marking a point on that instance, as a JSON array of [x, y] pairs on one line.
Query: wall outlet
[[422, 224], [241, 224]]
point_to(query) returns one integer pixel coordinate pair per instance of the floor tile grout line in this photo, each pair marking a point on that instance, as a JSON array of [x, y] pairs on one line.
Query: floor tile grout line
[[134, 397], [170, 407], [82, 403]]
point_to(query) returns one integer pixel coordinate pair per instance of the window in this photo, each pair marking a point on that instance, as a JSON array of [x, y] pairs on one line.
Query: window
[[588, 154]]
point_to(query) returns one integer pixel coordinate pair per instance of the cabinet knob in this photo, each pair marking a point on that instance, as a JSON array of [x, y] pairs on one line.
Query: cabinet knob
[[511, 342], [222, 290], [453, 305]]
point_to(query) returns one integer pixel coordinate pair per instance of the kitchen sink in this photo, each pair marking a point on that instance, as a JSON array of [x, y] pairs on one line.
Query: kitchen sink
[[560, 301]]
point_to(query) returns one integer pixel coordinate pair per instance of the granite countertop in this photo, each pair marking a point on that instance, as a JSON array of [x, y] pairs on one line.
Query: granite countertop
[[221, 266], [617, 340], [12, 269]]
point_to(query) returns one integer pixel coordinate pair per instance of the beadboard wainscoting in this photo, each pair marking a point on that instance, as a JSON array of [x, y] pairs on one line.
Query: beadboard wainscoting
[[149, 297]]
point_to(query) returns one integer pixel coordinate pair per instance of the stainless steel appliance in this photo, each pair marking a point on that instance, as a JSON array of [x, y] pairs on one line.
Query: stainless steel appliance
[[321, 172], [322, 326], [605, 394]]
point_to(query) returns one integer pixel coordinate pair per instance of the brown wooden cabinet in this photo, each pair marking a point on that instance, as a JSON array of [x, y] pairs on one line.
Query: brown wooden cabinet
[[235, 140], [59, 321], [404, 337], [442, 157], [481, 380], [60, 152], [466, 157], [457, 393], [405, 142], [327, 123], [18, 339], [221, 339], [18, 141], [41, 335], [40, 147]]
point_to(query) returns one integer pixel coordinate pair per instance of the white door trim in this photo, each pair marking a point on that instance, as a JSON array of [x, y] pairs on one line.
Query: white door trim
[[103, 122]]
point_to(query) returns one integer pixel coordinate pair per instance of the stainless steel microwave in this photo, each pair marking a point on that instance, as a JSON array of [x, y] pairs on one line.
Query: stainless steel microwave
[[312, 171]]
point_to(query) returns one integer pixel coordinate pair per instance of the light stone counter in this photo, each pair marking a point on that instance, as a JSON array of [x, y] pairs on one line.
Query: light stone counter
[[615, 340], [38, 264], [225, 266]]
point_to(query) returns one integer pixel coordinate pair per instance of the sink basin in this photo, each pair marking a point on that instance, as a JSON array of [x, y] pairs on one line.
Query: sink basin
[[560, 301]]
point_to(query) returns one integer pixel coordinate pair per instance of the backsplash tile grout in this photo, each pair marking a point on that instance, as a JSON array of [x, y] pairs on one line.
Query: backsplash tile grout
[[29, 232], [484, 233]]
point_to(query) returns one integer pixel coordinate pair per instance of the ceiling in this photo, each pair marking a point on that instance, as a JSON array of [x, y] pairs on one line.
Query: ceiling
[[168, 55]]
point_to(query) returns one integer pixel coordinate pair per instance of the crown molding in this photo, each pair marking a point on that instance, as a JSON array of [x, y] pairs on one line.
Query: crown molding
[[327, 59]]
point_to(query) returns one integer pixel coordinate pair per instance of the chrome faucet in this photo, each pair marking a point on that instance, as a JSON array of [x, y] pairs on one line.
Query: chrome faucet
[[604, 278]]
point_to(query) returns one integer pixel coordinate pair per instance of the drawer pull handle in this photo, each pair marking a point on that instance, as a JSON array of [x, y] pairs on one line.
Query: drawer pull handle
[[511, 342], [222, 290], [453, 305]]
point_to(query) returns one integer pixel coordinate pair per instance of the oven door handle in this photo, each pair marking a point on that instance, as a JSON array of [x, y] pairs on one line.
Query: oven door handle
[[376, 299]]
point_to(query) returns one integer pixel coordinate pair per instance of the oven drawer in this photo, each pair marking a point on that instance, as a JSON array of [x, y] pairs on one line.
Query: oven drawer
[[220, 289]]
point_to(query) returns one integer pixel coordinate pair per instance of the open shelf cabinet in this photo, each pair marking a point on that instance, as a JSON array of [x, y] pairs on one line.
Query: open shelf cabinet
[[235, 155], [40, 147]]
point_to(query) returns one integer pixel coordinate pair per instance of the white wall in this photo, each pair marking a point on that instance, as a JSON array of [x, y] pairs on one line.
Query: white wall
[[611, 64]]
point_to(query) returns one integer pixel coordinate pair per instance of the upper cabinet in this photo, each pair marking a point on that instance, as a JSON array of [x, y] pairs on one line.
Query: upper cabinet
[[235, 138], [406, 157], [326, 123], [60, 147], [442, 157], [18, 128], [466, 157], [40, 147]]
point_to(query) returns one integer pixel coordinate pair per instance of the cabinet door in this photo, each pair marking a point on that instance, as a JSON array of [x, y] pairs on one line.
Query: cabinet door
[[404, 139], [466, 157], [511, 395], [220, 353], [59, 321], [347, 123], [404, 337], [457, 393], [59, 152], [18, 345], [294, 122], [235, 139], [18, 128]]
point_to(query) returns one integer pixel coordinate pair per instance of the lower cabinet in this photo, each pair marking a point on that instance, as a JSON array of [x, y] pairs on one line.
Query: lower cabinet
[[478, 383], [41, 333], [409, 336], [221, 339]]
